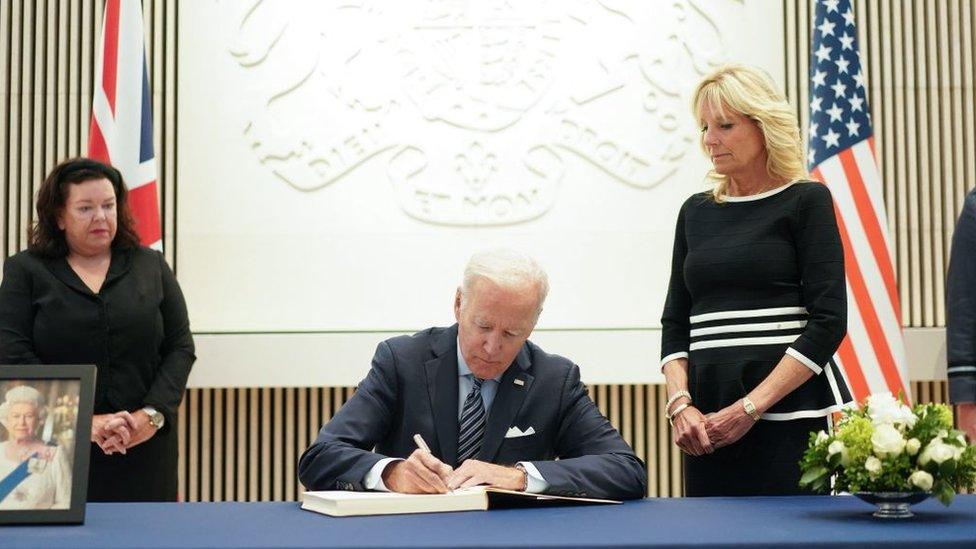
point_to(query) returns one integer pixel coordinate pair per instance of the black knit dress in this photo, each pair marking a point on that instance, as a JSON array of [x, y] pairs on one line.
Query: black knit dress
[[752, 279]]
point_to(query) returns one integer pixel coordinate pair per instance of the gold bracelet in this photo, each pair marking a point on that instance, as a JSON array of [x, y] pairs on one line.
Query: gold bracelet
[[681, 408]]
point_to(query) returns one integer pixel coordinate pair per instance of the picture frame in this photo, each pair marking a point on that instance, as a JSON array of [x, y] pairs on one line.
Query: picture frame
[[45, 440]]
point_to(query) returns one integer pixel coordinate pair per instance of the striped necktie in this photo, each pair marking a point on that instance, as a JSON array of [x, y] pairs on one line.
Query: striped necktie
[[472, 423]]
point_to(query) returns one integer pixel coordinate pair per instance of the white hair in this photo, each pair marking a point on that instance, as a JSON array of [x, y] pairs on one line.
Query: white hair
[[508, 269], [23, 393]]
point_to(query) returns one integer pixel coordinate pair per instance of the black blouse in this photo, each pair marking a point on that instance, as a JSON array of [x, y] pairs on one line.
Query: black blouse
[[135, 329], [753, 279]]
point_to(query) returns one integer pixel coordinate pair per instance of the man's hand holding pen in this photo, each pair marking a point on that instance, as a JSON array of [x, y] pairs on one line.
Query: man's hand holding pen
[[421, 473]]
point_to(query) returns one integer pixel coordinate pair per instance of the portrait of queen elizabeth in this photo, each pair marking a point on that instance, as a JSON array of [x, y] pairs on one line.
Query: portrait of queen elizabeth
[[34, 474]]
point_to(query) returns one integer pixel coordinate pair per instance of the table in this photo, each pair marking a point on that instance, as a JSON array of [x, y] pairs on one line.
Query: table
[[840, 521]]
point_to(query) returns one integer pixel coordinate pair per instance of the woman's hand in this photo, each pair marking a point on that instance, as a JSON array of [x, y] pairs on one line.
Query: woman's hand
[[689, 423], [144, 429], [112, 432], [690, 434], [728, 424]]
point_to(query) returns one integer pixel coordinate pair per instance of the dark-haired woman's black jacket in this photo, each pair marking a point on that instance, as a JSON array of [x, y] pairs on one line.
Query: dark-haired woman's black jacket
[[135, 330]]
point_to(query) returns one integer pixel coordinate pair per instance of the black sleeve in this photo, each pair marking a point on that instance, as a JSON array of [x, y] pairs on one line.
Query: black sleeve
[[675, 323], [961, 307], [17, 319], [177, 350], [820, 257]]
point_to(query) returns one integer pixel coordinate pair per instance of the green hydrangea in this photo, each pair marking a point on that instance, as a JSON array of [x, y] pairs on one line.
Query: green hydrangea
[[933, 419], [856, 436]]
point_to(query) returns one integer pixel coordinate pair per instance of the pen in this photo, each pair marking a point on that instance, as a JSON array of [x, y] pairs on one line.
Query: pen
[[420, 443]]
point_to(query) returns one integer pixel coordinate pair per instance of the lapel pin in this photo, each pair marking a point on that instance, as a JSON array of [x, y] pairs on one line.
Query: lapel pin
[[519, 382]]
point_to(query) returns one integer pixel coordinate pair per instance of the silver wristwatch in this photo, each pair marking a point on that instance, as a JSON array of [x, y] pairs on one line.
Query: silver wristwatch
[[155, 417]]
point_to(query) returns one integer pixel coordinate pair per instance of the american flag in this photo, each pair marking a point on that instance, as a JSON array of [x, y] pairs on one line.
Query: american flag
[[121, 122], [841, 154]]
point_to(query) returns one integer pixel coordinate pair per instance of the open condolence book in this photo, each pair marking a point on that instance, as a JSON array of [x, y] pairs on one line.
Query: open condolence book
[[477, 498]]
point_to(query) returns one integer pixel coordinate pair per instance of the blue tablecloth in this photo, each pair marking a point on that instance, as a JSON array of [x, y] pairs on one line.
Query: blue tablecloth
[[714, 522]]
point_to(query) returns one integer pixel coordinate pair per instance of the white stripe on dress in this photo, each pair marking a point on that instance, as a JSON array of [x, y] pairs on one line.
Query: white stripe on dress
[[747, 313], [758, 327], [833, 384], [803, 358], [802, 414], [672, 356], [741, 341]]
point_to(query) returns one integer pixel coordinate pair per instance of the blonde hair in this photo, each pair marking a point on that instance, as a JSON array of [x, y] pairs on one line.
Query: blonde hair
[[750, 91]]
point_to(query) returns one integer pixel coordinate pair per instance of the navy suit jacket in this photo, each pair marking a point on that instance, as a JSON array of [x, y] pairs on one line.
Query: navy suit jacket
[[412, 387], [961, 306]]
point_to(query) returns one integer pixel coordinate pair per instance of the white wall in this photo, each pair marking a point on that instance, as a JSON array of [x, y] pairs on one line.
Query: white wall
[[339, 161]]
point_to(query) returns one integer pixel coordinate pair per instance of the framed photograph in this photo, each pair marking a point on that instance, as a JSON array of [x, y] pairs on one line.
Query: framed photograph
[[45, 436]]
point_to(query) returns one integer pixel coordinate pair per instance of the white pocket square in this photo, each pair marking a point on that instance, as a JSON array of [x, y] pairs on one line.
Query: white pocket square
[[515, 432]]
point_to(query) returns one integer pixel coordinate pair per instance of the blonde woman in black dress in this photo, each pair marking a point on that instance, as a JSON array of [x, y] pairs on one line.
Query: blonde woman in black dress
[[756, 304]]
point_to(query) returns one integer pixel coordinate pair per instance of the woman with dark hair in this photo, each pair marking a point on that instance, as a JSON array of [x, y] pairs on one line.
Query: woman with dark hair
[[86, 292]]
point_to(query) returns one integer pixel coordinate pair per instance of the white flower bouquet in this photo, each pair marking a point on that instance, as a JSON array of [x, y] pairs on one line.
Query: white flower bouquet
[[889, 447]]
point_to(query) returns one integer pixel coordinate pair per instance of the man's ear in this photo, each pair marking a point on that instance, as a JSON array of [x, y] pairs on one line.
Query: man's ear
[[457, 305]]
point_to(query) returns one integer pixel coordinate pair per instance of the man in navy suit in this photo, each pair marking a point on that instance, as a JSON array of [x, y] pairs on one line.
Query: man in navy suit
[[539, 430]]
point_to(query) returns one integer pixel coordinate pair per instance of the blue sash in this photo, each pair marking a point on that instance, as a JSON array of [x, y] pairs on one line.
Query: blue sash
[[15, 477]]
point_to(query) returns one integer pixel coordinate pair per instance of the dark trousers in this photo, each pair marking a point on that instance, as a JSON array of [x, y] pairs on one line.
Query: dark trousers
[[146, 472], [764, 462]]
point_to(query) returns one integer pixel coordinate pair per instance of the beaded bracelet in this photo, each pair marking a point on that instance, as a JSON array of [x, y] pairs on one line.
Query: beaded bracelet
[[675, 397]]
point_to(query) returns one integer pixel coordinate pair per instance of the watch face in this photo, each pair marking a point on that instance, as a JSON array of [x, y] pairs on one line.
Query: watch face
[[156, 418]]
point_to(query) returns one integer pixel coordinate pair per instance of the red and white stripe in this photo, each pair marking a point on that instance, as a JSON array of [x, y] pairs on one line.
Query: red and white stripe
[[872, 356], [121, 122]]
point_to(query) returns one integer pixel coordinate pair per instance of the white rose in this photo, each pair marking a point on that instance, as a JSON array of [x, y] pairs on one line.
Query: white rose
[[835, 447], [822, 437], [912, 446], [921, 479], [937, 451], [908, 418], [880, 405], [873, 465], [887, 440], [926, 456], [883, 409]]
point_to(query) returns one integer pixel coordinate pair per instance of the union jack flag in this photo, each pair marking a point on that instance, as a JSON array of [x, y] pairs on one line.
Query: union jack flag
[[121, 132], [841, 154]]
